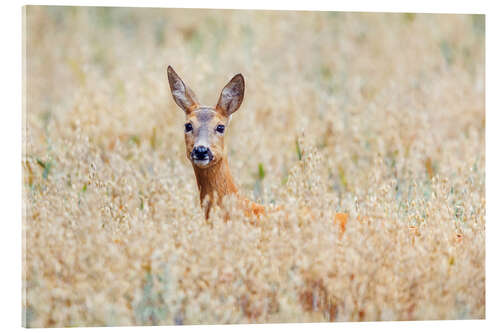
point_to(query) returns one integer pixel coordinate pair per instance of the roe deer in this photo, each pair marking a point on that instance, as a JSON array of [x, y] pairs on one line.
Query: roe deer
[[204, 131]]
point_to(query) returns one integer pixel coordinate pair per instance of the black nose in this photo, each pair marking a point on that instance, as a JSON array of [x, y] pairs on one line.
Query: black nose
[[201, 152]]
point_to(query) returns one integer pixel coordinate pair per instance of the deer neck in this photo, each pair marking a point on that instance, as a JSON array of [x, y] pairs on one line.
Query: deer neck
[[214, 180]]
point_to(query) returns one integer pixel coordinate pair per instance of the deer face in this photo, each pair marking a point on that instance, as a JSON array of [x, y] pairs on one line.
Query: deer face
[[205, 126], [204, 135]]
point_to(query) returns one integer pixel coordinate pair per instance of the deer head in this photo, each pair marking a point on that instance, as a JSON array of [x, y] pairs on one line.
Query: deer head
[[205, 126]]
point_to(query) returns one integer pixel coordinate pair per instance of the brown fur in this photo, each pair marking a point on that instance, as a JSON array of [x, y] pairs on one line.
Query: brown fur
[[214, 179]]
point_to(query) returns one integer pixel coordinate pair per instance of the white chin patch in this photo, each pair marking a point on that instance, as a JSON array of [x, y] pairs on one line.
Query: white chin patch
[[201, 162]]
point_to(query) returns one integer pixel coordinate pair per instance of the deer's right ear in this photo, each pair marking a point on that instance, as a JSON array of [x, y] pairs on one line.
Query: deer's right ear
[[183, 95]]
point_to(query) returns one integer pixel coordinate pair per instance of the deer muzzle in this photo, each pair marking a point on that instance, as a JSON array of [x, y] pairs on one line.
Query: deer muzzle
[[201, 155]]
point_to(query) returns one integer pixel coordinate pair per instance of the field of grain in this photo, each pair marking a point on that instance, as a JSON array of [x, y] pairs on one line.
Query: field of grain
[[381, 116]]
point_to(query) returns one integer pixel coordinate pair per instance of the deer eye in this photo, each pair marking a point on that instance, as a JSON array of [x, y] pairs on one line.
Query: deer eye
[[220, 128], [188, 127]]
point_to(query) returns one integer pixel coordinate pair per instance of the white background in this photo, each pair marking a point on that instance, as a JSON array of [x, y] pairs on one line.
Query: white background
[[10, 157]]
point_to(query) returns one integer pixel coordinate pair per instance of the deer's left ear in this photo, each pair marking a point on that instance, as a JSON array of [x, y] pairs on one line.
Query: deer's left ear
[[231, 96]]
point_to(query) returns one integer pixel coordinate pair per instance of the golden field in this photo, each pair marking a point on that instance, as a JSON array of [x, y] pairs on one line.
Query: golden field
[[381, 116]]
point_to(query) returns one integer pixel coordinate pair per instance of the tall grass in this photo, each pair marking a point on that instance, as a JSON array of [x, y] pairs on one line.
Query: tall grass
[[377, 115]]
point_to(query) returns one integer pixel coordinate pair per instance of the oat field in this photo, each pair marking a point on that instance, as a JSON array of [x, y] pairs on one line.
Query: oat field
[[380, 116]]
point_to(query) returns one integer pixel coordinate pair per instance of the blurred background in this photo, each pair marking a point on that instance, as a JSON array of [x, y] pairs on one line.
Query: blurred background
[[374, 114]]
